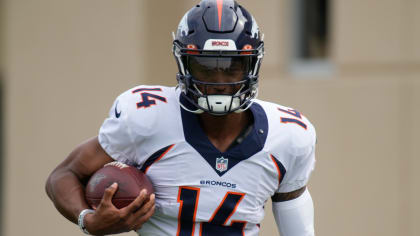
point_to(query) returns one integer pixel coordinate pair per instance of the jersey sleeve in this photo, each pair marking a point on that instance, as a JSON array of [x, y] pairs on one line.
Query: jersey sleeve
[[114, 134], [302, 156]]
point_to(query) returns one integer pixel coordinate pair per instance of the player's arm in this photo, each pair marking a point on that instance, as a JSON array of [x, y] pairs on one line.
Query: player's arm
[[293, 207], [65, 187], [294, 213]]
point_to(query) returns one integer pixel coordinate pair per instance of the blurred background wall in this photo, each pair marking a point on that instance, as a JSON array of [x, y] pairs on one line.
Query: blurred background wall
[[62, 63]]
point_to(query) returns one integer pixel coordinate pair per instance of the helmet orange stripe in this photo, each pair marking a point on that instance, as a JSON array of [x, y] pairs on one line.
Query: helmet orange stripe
[[220, 12]]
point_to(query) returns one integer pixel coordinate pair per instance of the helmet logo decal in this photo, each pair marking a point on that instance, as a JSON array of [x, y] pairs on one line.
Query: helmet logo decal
[[220, 44], [222, 164], [220, 12]]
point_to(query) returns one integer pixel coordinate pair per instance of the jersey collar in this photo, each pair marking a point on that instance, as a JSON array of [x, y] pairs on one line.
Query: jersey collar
[[252, 144]]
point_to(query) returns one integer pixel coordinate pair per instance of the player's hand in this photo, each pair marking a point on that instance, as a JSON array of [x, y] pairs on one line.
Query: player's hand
[[107, 219]]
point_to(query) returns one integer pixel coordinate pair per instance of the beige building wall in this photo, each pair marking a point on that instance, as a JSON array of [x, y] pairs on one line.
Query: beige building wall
[[66, 61]]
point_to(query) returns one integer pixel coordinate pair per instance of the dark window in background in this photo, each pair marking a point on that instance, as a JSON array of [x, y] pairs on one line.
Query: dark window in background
[[313, 40]]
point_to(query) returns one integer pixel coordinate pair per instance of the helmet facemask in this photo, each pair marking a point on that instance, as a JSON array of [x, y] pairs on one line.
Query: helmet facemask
[[199, 73]]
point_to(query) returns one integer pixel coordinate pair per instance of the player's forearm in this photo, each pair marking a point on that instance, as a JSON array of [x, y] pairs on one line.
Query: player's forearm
[[67, 193], [295, 217]]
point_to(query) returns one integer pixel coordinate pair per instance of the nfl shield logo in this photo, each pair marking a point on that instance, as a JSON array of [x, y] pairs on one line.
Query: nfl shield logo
[[221, 164]]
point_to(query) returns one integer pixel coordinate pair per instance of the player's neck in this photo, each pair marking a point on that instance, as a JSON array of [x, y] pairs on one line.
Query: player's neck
[[223, 130]]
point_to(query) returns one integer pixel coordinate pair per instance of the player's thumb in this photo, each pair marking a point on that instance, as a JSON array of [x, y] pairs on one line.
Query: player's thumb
[[109, 192]]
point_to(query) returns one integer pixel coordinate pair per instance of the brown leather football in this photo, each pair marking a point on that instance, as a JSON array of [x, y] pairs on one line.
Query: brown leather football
[[130, 182]]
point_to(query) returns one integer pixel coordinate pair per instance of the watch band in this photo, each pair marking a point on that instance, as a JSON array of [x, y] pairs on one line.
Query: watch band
[[81, 219]]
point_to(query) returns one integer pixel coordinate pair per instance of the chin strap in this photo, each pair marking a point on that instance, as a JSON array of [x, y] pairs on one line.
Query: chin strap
[[246, 108], [198, 111], [219, 103], [215, 104], [249, 104]]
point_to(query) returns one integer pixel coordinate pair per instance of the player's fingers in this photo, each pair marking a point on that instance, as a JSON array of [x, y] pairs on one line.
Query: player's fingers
[[146, 207], [144, 218], [136, 204], [109, 193]]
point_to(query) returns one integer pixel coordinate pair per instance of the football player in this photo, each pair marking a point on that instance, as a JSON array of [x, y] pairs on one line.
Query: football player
[[214, 153]]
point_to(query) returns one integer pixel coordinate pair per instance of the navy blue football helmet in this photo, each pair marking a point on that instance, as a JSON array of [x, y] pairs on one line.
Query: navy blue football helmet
[[218, 36]]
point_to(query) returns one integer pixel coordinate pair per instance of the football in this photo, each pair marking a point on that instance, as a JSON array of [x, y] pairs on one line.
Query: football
[[130, 182]]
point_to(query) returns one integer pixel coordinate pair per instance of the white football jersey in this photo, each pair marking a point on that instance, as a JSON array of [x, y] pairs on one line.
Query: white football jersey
[[200, 190]]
